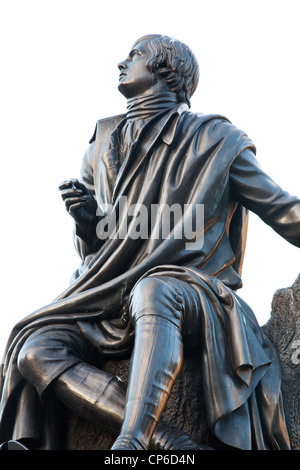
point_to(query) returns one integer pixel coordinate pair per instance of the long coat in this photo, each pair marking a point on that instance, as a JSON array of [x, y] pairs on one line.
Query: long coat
[[187, 159]]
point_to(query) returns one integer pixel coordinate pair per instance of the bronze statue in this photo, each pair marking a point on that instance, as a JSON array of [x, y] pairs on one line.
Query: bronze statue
[[154, 298]]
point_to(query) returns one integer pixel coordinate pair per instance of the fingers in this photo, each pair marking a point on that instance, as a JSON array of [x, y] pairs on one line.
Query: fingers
[[73, 184], [79, 185], [74, 207], [66, 184], [71, 193], [75, 202]]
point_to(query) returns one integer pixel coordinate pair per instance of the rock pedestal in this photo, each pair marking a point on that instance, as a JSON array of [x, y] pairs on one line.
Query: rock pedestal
[[185, 407], [283, 329]]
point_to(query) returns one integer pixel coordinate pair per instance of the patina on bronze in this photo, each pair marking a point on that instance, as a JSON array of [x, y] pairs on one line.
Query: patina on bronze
[[154, 299]]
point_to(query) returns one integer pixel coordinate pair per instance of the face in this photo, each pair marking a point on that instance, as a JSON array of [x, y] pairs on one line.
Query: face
[[135, 78]]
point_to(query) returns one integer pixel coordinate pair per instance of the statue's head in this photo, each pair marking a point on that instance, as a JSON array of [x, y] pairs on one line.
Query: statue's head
[[156, 64]]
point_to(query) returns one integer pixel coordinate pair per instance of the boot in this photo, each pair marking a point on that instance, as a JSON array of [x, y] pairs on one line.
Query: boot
[[155, 363], [100, 398], [93, 394]]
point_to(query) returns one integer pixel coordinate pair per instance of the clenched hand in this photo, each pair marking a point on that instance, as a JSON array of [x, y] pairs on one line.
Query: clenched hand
[[79, 202]]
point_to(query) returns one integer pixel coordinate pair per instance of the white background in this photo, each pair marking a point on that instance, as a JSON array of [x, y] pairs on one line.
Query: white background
[[59, 75]]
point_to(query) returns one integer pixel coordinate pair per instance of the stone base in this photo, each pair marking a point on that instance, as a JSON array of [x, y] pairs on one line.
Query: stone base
[[185, 408], [283, 329]]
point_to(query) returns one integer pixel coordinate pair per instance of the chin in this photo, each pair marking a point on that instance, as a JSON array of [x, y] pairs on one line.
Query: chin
[[127, 90], [122, 89]]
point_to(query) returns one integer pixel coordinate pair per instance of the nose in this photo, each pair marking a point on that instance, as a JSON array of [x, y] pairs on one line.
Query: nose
[[122, 65]]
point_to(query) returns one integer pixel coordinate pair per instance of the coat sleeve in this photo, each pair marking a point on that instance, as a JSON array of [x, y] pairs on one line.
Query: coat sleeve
[[256, 191], [86, 243]]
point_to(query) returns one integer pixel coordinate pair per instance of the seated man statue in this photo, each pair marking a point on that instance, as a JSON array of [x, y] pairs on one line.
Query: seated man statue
[[153, 291]]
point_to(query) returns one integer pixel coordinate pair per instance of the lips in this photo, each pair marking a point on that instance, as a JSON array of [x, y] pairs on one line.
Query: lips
[[122, 75]]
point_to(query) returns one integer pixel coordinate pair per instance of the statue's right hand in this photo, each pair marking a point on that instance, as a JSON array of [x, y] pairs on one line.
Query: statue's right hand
[[79, 202]]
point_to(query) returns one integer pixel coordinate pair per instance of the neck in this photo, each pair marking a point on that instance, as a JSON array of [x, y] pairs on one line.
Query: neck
[[146, 106]]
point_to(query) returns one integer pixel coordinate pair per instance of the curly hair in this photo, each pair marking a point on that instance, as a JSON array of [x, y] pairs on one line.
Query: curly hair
[[175, 62]]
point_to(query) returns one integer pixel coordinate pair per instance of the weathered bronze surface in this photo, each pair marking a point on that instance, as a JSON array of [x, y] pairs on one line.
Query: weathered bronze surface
[[153, 297]]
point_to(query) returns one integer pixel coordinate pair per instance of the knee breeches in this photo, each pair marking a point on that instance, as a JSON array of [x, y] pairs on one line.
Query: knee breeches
[[170, 298], [51, 350]]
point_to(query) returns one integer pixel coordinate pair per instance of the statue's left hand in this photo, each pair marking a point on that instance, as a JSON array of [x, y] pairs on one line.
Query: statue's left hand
[[79, 202]]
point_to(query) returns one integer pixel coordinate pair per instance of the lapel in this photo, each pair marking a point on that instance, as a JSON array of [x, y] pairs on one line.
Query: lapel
[[164, 128], [107, 144]]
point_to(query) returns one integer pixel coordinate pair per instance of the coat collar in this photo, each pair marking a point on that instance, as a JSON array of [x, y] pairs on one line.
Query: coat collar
[[164, 128]]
